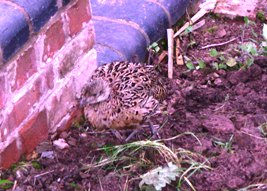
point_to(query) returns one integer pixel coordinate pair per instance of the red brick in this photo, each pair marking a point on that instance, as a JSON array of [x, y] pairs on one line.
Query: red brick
[[60, 105], [26, 67], [9, 124], [54, 40], [22, 107], [34, 131], [10, 155], [49, 77], [76, 114], [78, 14], [2, 91]]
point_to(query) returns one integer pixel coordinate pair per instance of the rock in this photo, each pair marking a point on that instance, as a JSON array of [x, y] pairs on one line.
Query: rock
[[60, 143], [48, 154]]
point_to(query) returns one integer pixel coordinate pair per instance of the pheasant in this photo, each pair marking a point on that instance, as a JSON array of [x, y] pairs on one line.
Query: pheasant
[[122, 95]]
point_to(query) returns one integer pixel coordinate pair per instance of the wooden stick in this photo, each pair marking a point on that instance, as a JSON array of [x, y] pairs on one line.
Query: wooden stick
[[178, 55], [170, 52], [195, 18], [205, 8], [219, 44]]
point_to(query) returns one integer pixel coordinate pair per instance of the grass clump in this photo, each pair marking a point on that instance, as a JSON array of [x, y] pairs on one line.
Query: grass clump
[[161, 163]]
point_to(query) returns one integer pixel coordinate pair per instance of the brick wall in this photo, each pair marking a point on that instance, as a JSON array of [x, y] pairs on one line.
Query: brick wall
[[41, 76]]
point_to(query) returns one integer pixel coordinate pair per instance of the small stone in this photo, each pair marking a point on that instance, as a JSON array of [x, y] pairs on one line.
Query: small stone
[[60, 143], [83, 135], [48, 154], [221, 33], [218, 82]]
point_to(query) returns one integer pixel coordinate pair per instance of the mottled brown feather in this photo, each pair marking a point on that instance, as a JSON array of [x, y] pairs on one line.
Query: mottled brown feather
[[135, 94]]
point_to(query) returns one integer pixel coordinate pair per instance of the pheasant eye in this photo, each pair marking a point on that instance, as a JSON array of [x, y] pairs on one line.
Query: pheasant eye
[[134, 104]]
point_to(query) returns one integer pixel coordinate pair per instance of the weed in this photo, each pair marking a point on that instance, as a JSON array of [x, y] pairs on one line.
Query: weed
[[212, 29], [26, 166], [74, 185], [254, 187], [189, 64], [225, 145], [260, 15], [154, 47], [5, 184], [133, 155]]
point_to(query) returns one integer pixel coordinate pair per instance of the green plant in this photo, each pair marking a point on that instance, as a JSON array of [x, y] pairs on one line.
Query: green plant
[[154, 47], [5, 184], [189, 64], [132, 155], [74, 185], [260, 15], [201, 64], [225, 145]]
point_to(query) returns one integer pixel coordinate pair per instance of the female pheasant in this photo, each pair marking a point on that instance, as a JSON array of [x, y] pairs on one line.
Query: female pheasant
[[122, 95]]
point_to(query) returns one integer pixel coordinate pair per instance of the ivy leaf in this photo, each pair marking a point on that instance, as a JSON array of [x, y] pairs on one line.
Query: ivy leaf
[[201, 64], [6, 184], [160, 176], [190, 65], [250, 48], [213, 52], [246, 20]]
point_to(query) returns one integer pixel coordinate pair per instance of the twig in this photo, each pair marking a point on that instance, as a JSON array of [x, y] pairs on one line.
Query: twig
[[100, 183], [162, 55], [125, 188], [15, 185], [219, 44], [205, 8], [195, 18], [170, 52], [39, 175]]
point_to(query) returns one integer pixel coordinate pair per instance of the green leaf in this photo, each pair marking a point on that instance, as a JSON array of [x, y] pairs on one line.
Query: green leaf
[[213, 52], [154, 46], [249, 61], [246, 20], [250, 48], [6, 184], [36, 165], [231, 62], [264, 32], [190, 65], [201, 64], [222, 66], [215, 65]]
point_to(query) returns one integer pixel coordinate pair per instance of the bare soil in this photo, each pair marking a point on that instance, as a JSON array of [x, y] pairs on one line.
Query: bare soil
[[218, 106]]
